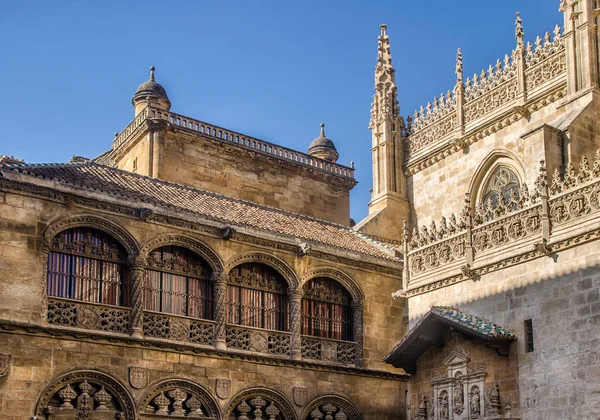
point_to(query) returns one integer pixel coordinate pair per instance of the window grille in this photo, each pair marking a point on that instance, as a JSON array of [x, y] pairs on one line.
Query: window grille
[[178, 282], [88, 265], [326, 310], [256, 297], [528, 336]]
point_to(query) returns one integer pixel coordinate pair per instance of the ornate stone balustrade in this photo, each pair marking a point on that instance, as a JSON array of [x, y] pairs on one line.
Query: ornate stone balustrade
[[525, 226], [171, 327], [238, 139], [547, 61], [257, 340], [439, 254], [506, 85], [508, 229], [113, 319], [71, 313], [327, 350]]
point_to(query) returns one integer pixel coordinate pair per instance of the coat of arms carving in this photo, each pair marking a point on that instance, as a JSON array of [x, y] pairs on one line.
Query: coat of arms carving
[[223, 388], [300, 394], [138, 377], [4, 364]]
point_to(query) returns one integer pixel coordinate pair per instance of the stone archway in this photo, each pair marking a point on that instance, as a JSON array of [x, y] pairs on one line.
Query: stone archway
[[85, 394]]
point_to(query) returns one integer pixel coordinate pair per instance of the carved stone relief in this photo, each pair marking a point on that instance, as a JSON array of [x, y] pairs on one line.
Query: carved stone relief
[[138, 377], [223, 388], [4, 364], [300, 394]]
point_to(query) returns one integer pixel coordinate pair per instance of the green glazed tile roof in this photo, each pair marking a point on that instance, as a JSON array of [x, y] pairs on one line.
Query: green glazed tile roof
[[477, 324]]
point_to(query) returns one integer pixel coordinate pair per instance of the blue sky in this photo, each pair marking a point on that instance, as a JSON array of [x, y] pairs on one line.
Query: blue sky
[[270, 69]]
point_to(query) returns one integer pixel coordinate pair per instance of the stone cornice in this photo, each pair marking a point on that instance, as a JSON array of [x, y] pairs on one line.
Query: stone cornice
[[209, 227], [149, 343], [473, 273]]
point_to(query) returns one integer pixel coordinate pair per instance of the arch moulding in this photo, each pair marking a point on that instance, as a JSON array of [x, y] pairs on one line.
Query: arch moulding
[[337, 275], [272, 261], [494, 159], [340, 402], [282, 402], [162, 385], [113, 385], [203, 250], [93, 221]]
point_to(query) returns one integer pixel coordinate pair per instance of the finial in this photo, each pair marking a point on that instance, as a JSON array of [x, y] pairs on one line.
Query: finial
[[383, 28], [459, 65], [152, 73], [322, 129], [519, 30], [116, 134]]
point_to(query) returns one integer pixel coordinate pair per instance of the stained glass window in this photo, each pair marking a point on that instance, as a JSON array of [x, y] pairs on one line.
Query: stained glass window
[[178, 282], [326, 310], [88, 265]]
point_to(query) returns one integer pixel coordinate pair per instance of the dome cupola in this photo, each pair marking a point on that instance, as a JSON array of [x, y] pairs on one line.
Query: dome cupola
[[151, 91], [323, 148]]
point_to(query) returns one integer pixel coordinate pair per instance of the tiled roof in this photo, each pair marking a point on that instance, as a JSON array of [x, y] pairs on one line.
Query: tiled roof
[[142, 189], [477, 324], [433, 324]]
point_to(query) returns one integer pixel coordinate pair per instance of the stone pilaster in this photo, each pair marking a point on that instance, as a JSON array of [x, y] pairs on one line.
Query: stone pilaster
[[137, 272], [219, 281], [44, 300], [295, 296], [357, 323]]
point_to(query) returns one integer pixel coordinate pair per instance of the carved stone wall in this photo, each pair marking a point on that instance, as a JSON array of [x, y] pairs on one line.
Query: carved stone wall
[[149, 382], [464, 380], [560, 294]]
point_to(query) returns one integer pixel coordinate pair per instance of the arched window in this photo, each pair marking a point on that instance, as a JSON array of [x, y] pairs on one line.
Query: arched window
[[256, 297], [178, 282], [88, 265], [326, 310], [502, 183]]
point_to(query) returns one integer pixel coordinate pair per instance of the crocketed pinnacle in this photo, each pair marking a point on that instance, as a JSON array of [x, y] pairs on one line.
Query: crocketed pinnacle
[[385, 102]]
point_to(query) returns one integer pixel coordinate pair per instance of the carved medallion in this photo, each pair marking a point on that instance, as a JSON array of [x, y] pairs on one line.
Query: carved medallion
[[4, 364], [259, 341], [595, 198], [223, 388], [329, 351], [300, 394], [516, 230], [87, 316], [578, 206], [180, 329], [138, 377]]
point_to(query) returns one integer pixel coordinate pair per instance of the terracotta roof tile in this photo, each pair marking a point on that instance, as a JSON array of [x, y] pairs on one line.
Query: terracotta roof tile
[[142, 189]]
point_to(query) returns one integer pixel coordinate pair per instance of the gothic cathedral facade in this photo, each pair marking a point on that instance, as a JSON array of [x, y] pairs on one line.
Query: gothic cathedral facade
[[193, 271]]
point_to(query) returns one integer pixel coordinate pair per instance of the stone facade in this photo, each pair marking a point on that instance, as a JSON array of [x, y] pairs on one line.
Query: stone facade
[[514, 243]]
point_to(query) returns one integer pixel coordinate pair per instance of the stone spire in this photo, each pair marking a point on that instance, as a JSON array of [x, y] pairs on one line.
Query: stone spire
[[385, 101], [388, 204]]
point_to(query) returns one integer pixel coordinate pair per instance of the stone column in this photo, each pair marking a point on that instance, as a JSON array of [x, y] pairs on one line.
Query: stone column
[[295, 296], [357, 324], [137, 272], [219, 281], [44, 306]]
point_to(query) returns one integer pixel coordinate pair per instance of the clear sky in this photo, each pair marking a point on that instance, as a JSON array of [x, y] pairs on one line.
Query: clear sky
[[272, 69]]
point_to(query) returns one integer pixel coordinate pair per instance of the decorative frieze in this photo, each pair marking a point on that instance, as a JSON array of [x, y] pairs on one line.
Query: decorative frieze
[[322, 349]]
